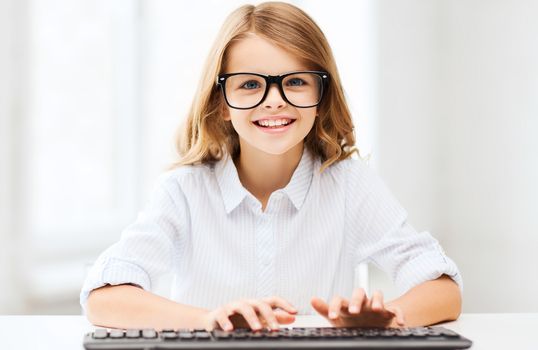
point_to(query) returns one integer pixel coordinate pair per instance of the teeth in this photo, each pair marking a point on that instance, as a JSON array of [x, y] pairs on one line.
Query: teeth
[[272, 123]]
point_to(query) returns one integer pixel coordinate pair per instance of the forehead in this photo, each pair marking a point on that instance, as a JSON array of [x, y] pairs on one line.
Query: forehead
[[258, 55]]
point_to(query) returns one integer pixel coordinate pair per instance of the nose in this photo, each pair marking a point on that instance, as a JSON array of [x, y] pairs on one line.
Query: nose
[[274, 99]]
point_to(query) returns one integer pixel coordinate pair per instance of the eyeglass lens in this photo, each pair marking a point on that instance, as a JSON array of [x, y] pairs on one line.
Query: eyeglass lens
[[247, 90]]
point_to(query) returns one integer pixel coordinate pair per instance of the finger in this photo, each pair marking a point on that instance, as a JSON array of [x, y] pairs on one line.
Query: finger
[[275, 301], [357, 298], [377, 301], [266, 312], [320, 306], [223, 321], [400, 320], [283, 317], [248, 313], [334, 307]]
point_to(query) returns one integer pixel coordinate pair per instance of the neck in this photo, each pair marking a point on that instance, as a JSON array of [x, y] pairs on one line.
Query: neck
[[262, 173]]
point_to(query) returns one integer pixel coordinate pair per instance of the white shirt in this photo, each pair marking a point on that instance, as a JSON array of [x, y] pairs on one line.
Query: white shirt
[[206, 228]]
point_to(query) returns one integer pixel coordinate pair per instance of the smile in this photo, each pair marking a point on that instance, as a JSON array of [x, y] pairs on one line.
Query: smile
[[274, 123], [274, 126]]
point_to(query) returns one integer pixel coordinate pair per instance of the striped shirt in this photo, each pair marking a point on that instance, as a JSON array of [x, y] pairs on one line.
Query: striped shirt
[[203, 226]]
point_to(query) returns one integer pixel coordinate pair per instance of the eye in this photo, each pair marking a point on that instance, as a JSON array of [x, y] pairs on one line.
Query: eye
[[296, 82], [251, 84]]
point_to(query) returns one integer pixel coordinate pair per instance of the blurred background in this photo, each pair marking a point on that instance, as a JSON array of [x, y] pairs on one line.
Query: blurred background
[[444, 96]]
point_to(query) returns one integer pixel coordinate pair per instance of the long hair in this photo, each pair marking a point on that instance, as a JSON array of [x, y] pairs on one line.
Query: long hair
[[206, 136]]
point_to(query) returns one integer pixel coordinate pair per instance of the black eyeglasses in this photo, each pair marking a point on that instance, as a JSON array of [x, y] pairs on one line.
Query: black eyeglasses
[[302, 89]]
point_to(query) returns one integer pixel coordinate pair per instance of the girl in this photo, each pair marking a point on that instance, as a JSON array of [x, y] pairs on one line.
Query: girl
[[266, 211]]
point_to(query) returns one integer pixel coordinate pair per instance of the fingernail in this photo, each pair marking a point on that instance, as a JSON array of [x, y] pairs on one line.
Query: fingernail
[[228, 327], [274, 325], [332, 314], [353, 308], [376, 305]]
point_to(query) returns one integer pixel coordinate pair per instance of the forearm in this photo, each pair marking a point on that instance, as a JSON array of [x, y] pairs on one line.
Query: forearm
[[127, 306], [430, 302]]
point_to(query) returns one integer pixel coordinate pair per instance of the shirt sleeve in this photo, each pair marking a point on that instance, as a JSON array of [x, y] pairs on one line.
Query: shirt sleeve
[[146, 248], [381, 234]]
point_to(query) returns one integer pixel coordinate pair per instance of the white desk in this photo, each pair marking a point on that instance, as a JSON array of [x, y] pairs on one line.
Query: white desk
[[487, 331]]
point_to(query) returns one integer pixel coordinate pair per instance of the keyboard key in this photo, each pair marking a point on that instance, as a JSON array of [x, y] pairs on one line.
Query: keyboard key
[[448, 332], [149, 333], [272, 335], [403, 333], [100, 333], [434, 333], [132, 333], [169, 335], [116, 333], [186, 335], [202, 335], [222, 335]]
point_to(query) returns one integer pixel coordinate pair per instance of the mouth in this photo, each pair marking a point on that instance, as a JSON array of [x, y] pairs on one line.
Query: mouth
[[274, 123]]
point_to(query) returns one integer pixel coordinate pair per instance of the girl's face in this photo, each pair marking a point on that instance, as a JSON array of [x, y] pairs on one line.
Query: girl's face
[[259, 127]]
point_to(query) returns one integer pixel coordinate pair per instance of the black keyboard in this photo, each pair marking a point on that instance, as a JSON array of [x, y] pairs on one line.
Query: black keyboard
[[284, 338]]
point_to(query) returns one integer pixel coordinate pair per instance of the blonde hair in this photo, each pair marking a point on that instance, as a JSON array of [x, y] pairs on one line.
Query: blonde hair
[[205, 136]]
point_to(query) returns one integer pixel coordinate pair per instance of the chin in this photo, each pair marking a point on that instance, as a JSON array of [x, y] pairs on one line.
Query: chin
[[275, 147], [277, 150]]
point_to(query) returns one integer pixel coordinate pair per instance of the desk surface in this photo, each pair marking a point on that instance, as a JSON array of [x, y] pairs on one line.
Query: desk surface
[[487, 331]]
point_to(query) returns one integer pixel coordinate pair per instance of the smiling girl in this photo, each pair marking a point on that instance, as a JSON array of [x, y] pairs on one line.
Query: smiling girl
[[266, 215]]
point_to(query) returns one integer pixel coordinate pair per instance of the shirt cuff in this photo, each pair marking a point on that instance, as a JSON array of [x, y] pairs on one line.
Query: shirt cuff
[[113, 272], [426, 267]]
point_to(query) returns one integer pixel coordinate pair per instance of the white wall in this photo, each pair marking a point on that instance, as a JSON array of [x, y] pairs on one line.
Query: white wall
[[10, 106], [489, 119], [457, 134], [407, 144], [5, 142]]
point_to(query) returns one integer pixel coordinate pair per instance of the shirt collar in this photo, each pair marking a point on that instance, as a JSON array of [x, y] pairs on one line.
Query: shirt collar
[[233, 191], [231, 188], [297, 188]]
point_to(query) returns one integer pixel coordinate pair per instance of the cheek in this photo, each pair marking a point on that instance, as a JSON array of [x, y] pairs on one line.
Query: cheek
[[240, 119], [308, 118]]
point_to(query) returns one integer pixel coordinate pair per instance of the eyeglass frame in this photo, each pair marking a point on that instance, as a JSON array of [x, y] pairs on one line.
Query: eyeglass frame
[[274, 79]]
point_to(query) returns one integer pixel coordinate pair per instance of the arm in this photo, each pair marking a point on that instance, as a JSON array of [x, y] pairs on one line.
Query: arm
[[430, 302], [127, 306], [116, 290], [413, 260], [425, 304]]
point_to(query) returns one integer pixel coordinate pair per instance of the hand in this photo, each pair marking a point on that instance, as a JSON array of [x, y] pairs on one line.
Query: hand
[[360, 311], [251, 313]]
